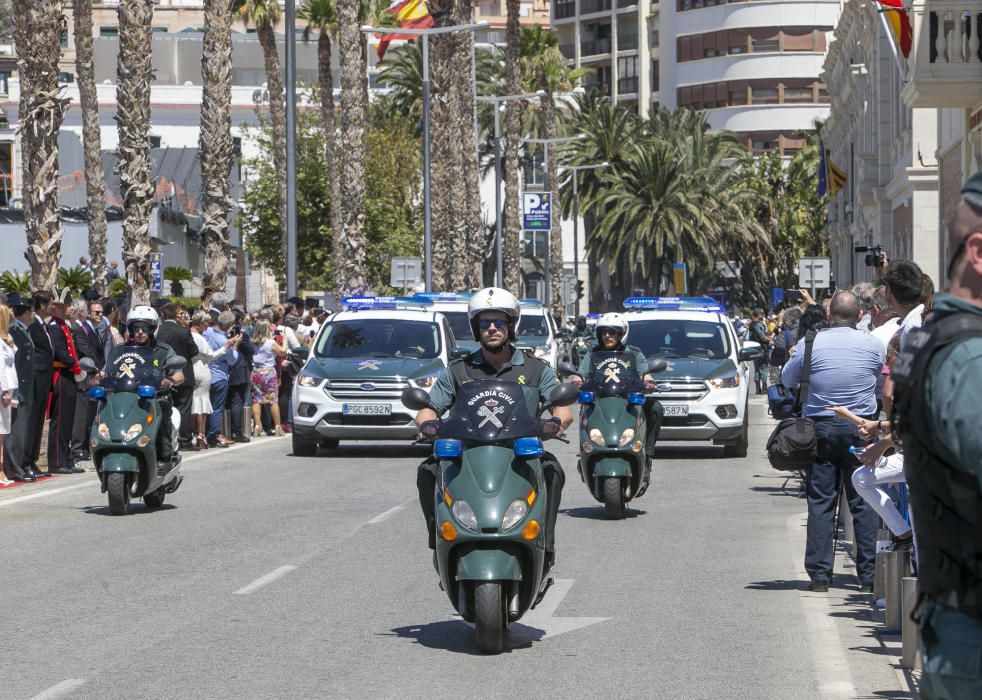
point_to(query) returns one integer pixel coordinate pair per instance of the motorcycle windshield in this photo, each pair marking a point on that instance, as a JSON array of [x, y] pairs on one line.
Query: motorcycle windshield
[[612, 373], [134, 367], [489, 412]]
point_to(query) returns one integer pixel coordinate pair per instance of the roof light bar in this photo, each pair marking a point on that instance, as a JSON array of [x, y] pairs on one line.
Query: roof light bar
[[531, 303], [441, 296], [672, 304], [356, 303]]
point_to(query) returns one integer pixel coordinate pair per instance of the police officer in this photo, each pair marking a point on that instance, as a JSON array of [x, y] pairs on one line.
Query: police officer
[[937, 380], [612, 332], [493, 315]]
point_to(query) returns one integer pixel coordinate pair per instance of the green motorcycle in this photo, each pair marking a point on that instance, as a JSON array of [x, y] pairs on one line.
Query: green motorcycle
[[490, 504], [124, 441], [613, 462]]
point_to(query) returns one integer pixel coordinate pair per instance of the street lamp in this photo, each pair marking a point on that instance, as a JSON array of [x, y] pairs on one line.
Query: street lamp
[[291, 148], [498, 101], [576, 223], [547, 186], [425, 34]]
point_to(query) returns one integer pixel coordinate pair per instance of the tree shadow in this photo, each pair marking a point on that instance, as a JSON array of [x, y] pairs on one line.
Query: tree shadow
[[458, 636], [135, 508], [598, 513], [777, 585]]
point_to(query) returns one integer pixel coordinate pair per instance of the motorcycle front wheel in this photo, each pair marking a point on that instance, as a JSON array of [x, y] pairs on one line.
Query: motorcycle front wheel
[[613, 498], [489, 617], [118, 488]]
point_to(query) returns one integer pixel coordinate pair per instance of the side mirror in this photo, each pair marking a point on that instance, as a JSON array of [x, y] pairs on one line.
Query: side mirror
[[750, 354], [300, 353], [87, 364], [176, 362], [415, 398], [657, 365], [459, 353], [564, 395], [567, 369]]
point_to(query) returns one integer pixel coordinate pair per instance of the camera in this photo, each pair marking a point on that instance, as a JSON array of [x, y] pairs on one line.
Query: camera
[[793, 296], [875, 257]]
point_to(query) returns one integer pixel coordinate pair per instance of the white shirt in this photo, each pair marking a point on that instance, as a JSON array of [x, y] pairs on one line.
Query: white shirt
[[911, 321], [886, 332]]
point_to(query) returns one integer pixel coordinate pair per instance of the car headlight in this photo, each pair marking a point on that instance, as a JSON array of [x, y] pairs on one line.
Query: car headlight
[[464, 514], [426, 382], [542, 350], [626, 436], [308, 380], [597, 437], [516, 511], [104, 431], [727, 381], [133, 431]]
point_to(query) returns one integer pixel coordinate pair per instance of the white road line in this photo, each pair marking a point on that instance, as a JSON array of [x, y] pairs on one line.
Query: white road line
[[265, 580], [828, 657], [391, 511], [60, 689], [46, 492]]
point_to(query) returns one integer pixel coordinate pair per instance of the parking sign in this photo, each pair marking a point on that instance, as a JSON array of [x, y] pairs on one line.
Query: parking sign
[[536, 211], [156, 272]]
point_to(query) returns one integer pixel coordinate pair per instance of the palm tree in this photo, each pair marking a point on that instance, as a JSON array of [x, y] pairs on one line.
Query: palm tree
[[95, 180], [511, 245], [40, 125], [134, 76], [215, 145], [353, 116], [265, 14]]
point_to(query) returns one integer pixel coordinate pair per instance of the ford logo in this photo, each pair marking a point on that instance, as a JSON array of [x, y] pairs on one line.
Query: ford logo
[[663, 387], [368, 386]]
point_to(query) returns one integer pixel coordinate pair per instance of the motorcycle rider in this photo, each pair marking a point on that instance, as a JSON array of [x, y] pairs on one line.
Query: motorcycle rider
[[141, 326], [493, 314], [612, 332]]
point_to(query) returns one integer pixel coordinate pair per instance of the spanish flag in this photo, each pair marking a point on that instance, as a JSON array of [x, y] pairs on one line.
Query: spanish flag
[[831, 179], [899, 20], [409, 14]]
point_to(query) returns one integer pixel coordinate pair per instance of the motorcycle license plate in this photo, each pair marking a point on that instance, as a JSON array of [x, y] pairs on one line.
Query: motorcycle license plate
[[367, 409], [677, 411]]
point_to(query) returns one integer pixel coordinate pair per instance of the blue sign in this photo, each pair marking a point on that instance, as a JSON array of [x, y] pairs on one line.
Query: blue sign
[[536, 211], [156, 272], [777, 296]]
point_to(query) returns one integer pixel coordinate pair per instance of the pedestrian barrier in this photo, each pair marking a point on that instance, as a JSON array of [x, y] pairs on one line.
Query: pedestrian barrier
[[896, 567], [910, 632]]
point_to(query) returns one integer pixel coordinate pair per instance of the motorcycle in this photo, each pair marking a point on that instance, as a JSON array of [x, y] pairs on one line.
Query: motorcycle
[[490, 504], [613, 430], [124, 436]]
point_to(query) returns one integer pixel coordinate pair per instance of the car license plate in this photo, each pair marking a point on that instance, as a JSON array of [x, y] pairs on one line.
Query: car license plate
[[367, 409], [676, 410]]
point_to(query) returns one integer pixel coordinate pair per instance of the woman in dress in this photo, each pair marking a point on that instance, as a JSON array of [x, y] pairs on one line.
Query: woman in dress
[[265, 388], [8, 377], [200, 401]]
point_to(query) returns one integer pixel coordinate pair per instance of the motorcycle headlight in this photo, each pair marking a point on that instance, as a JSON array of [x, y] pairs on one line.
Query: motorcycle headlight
[[133, 431], [464, 514], [308, 380], [516, 511], [426, 382], [104, 431], [727, 381], [597, 437], [626, 436], [542, 350]]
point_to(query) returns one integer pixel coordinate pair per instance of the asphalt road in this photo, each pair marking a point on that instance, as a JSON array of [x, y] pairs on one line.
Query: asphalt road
[[268, 575]]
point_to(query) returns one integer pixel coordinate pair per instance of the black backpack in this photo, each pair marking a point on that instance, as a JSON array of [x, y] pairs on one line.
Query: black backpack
[[794, 443], [780, 345]]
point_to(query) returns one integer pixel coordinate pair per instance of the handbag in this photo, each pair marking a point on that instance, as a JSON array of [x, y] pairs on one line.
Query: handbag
[[793, 445]]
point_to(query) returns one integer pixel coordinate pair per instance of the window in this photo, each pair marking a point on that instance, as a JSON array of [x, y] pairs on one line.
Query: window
[[799, 39], [794, 95], [154, 141], [627, 67], [765, 96], [671, 338], [379, 337], [66, 78], [764, 45], [655, 80], [739, 97], [159, 30], [64, 38], [108, 31]]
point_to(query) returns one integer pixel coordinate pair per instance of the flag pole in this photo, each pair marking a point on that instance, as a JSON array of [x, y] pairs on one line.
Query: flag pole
[[892, 40]]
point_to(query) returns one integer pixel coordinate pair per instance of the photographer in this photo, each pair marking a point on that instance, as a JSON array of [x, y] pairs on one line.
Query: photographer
[[217, 337], [905, 287]]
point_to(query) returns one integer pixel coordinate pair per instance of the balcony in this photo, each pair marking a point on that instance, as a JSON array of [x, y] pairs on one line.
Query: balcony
[[945, 65], [627, 86], [602, 88], [595, 47], [627, 42], [589, 6]]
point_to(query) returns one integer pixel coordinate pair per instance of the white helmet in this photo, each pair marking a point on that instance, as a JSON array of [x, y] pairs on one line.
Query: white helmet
[[614, 322], [143, 314], [494, 299]]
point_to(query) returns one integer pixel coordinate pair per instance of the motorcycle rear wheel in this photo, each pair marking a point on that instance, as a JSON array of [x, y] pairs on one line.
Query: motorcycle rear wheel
[[613, 498], [489, 617], [118, 488]]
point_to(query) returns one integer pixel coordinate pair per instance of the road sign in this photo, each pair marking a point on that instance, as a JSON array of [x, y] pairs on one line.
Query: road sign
[[536, 211], [814, 273], [406, 273], [156, 272]]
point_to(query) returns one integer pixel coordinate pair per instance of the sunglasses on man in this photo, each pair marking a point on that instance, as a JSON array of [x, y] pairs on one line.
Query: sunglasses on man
[[486, 323]]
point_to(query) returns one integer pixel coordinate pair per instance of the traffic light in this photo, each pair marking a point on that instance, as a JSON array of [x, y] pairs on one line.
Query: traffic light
[[579, 289]]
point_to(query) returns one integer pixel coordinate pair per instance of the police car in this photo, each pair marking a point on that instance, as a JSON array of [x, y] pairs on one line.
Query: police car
[[537, 332], [359, 364], [705, 388], [453, 306]]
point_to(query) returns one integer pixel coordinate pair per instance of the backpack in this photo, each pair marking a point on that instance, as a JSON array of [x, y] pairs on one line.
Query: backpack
[[779, 348], [794, 443]]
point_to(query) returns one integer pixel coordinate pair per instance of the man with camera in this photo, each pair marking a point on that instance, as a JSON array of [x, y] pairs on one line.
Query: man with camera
[[904, 282]]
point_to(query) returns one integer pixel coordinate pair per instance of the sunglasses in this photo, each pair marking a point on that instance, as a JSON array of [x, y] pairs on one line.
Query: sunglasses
[[96, 313], [486, 323], [139, 329]]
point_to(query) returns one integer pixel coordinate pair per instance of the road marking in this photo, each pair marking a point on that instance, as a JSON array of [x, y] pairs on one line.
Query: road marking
[[828, 658], [266, 580], [46, 492], [542, 618], [391, 511], [60, 689]]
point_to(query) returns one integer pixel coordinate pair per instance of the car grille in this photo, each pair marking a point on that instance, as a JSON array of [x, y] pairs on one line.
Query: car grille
[[368, 389], [691, 420], [682, 390], [393, 419]]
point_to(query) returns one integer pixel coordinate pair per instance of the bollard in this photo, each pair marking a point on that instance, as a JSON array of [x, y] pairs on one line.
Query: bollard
[[882, 536], [895, 567], [908, 628]]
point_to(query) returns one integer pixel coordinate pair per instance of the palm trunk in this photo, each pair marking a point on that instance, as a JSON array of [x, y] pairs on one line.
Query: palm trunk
[[325, 76], [95, 179], [511, 244], [353, 117], [215, 145], [548, 110], [134, 75], [476, 249], [22, 33], [443, 169], [277, 115], [45, 111]]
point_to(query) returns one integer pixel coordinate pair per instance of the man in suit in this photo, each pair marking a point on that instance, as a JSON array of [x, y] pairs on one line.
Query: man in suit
[[43, 376], [67, 374], [16, 445], [88, 343], [179, 339]]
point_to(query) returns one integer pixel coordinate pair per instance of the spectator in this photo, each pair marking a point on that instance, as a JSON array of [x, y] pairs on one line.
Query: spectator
[[19, 443], [87, 344], [782, 342], [201, 406], [239, 382], [43, 379], [864, 292], [63, 391], [110, 315], [218, 338], [905, 288], [927, 297], [758, 334], [813, 318], [113, 272], [9, 385], [884, 321], [179, 339], [265, 388], [287, 371], [845, 363]]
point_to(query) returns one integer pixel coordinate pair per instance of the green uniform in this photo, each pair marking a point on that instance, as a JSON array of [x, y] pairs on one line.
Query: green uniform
[[640, 361]]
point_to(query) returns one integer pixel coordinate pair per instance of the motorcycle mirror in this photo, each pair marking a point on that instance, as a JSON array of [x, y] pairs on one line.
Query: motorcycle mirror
[[176, 362], [415, 398], [87, 364], [564, 395], [566, 369], [657, 365]]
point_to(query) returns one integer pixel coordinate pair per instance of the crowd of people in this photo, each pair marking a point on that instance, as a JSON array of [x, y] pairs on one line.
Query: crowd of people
[[237, 364]]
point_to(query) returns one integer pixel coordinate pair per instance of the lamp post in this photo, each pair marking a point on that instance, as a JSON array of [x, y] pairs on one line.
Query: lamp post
[[498, 101], [291, 148], [425, 34], [547, 186], [576, 223]]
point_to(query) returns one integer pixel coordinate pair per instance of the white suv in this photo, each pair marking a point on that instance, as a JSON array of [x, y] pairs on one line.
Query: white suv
[[537, 332]]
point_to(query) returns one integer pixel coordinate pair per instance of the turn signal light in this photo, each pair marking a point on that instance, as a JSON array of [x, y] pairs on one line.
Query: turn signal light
[[449, 532], [530, 531]]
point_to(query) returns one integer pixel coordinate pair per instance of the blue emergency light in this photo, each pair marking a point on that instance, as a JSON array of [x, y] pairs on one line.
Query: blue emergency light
[[97, 392], [672, 304], [364, 303], [635, 398], [145, 391], [440, 296], [530, 303], [528, 447], [447, 449], [586, 397]]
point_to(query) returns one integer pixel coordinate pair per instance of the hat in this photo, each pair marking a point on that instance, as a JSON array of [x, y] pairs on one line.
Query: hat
[[972, 191], [64, 296], [14, 300]]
